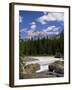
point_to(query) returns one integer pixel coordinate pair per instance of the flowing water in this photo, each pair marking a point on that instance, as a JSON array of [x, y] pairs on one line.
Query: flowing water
[[44, 61]]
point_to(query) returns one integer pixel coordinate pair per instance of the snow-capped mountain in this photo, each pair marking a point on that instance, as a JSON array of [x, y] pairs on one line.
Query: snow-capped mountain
[[55, 32]]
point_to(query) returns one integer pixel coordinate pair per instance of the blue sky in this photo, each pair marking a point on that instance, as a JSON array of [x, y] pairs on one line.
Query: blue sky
[[34, 22]]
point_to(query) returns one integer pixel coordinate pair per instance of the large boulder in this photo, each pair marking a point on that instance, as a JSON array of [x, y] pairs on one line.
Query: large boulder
[[32, 68], [57, 67], [28, 71]]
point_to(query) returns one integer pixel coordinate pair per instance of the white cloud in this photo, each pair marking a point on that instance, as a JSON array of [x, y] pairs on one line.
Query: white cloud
[[42, 19], [56, 29], [43, 22], [32, 32], [33, 23], [55, 16], [51, 17], [20, 19], [33, 26], [23, 30], [52, 29], [53, 33], [49, 28]]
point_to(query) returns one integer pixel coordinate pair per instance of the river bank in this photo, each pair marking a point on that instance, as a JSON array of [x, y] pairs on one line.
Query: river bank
[[43, 64]]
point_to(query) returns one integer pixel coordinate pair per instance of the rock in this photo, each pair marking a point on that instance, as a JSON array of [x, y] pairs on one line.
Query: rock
[[21, 70], [54, 74], [59, 75], [58, 55], [57, 67], [32, 68], [59, 62], [28, 71], [51, 67]]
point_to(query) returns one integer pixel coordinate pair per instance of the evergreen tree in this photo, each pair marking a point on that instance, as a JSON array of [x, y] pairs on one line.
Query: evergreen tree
[[44, 46]]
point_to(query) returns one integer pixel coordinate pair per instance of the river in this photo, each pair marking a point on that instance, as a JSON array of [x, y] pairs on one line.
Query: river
[[44, 61]]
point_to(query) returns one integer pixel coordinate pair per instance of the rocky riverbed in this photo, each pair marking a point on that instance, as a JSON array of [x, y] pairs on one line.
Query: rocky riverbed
[[43, 68]]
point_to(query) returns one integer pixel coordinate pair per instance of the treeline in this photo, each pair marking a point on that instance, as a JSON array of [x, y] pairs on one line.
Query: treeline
[[42, 46]]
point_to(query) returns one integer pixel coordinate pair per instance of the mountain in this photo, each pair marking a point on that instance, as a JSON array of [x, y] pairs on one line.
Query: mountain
[[33, 34]]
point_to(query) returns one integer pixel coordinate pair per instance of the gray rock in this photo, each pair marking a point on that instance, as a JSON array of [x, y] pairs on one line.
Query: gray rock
[[59, 55], [57, 67], [32, 68]]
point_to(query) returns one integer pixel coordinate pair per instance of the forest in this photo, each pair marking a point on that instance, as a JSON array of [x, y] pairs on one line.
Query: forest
[[41, 47]]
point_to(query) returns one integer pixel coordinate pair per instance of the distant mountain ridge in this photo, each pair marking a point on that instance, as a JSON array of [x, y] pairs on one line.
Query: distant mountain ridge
[[48, 34], [54, 33]]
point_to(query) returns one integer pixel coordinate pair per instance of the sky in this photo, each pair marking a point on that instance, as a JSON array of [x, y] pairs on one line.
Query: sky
[[34, 23]]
